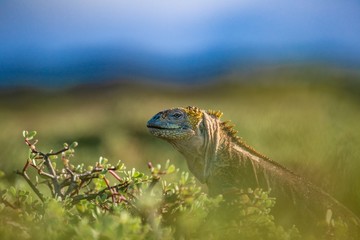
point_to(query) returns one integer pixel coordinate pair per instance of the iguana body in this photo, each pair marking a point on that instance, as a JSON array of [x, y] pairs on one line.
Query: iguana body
[[217, 157]]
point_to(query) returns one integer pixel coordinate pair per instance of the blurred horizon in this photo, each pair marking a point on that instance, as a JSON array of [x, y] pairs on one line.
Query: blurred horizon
[[52, 44]]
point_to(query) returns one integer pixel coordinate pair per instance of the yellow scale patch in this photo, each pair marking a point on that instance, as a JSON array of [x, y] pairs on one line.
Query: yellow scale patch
[[195, 115]]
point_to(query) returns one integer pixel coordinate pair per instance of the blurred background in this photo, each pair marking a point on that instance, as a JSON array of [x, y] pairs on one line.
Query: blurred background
[[286, 73]]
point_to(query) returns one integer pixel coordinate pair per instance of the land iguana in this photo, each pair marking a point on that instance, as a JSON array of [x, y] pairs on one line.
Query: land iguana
[[217, 157]]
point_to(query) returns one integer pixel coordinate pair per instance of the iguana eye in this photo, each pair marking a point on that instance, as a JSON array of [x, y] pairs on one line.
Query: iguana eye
[[177, 115]]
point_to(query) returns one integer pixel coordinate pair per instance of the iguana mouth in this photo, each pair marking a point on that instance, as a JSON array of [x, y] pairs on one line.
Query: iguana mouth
[[163, 128]]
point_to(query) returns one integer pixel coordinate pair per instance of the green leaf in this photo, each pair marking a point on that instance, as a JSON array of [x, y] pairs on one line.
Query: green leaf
[[30, 154], [104, 197], [328, 216], [53, 157], [167, 163], [244, 199], [171, 169], [12, 190], [31, 135], [137, 174], [25, 133], [120, 166], [81, 207], [74, 145]]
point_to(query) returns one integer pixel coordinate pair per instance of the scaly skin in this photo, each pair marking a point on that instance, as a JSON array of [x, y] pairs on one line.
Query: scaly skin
[[217, 157]]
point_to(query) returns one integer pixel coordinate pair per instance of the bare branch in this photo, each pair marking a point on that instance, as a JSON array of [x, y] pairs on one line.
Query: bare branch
[[33, 187], [58, 152], [116, 176], [111, 190], [54, 180]]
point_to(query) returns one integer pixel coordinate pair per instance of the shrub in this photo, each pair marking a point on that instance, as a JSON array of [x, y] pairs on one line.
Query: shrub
[[106, 201]]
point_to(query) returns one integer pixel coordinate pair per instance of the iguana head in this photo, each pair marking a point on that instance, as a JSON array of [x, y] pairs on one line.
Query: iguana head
[[193, 132], [176, 123]]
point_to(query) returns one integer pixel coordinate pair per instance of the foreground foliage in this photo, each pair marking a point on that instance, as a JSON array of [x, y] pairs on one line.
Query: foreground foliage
[[106, 201]]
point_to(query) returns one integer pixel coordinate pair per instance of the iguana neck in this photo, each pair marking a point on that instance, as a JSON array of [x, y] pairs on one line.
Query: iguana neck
[[194, 155], [200, 150]]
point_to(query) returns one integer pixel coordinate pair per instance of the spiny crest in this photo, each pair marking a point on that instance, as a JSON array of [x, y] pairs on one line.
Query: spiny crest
[[229, 129], [214, 113], [195, 115]]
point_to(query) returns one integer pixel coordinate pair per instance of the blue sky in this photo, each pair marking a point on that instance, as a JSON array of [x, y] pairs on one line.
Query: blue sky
[[47, 41]]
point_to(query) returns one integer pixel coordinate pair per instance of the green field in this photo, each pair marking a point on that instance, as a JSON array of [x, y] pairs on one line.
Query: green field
[[307, 119]]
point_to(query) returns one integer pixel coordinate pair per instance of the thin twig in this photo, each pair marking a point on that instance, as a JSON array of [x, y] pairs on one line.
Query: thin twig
[[54, 180], [26, 165], [112, 172], [33, 187], [41, 172], [58, 152], [111, 190], [73, 184]]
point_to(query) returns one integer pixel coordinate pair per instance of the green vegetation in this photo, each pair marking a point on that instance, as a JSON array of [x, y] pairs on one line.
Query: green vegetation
[[83, 203], [306, 119]]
